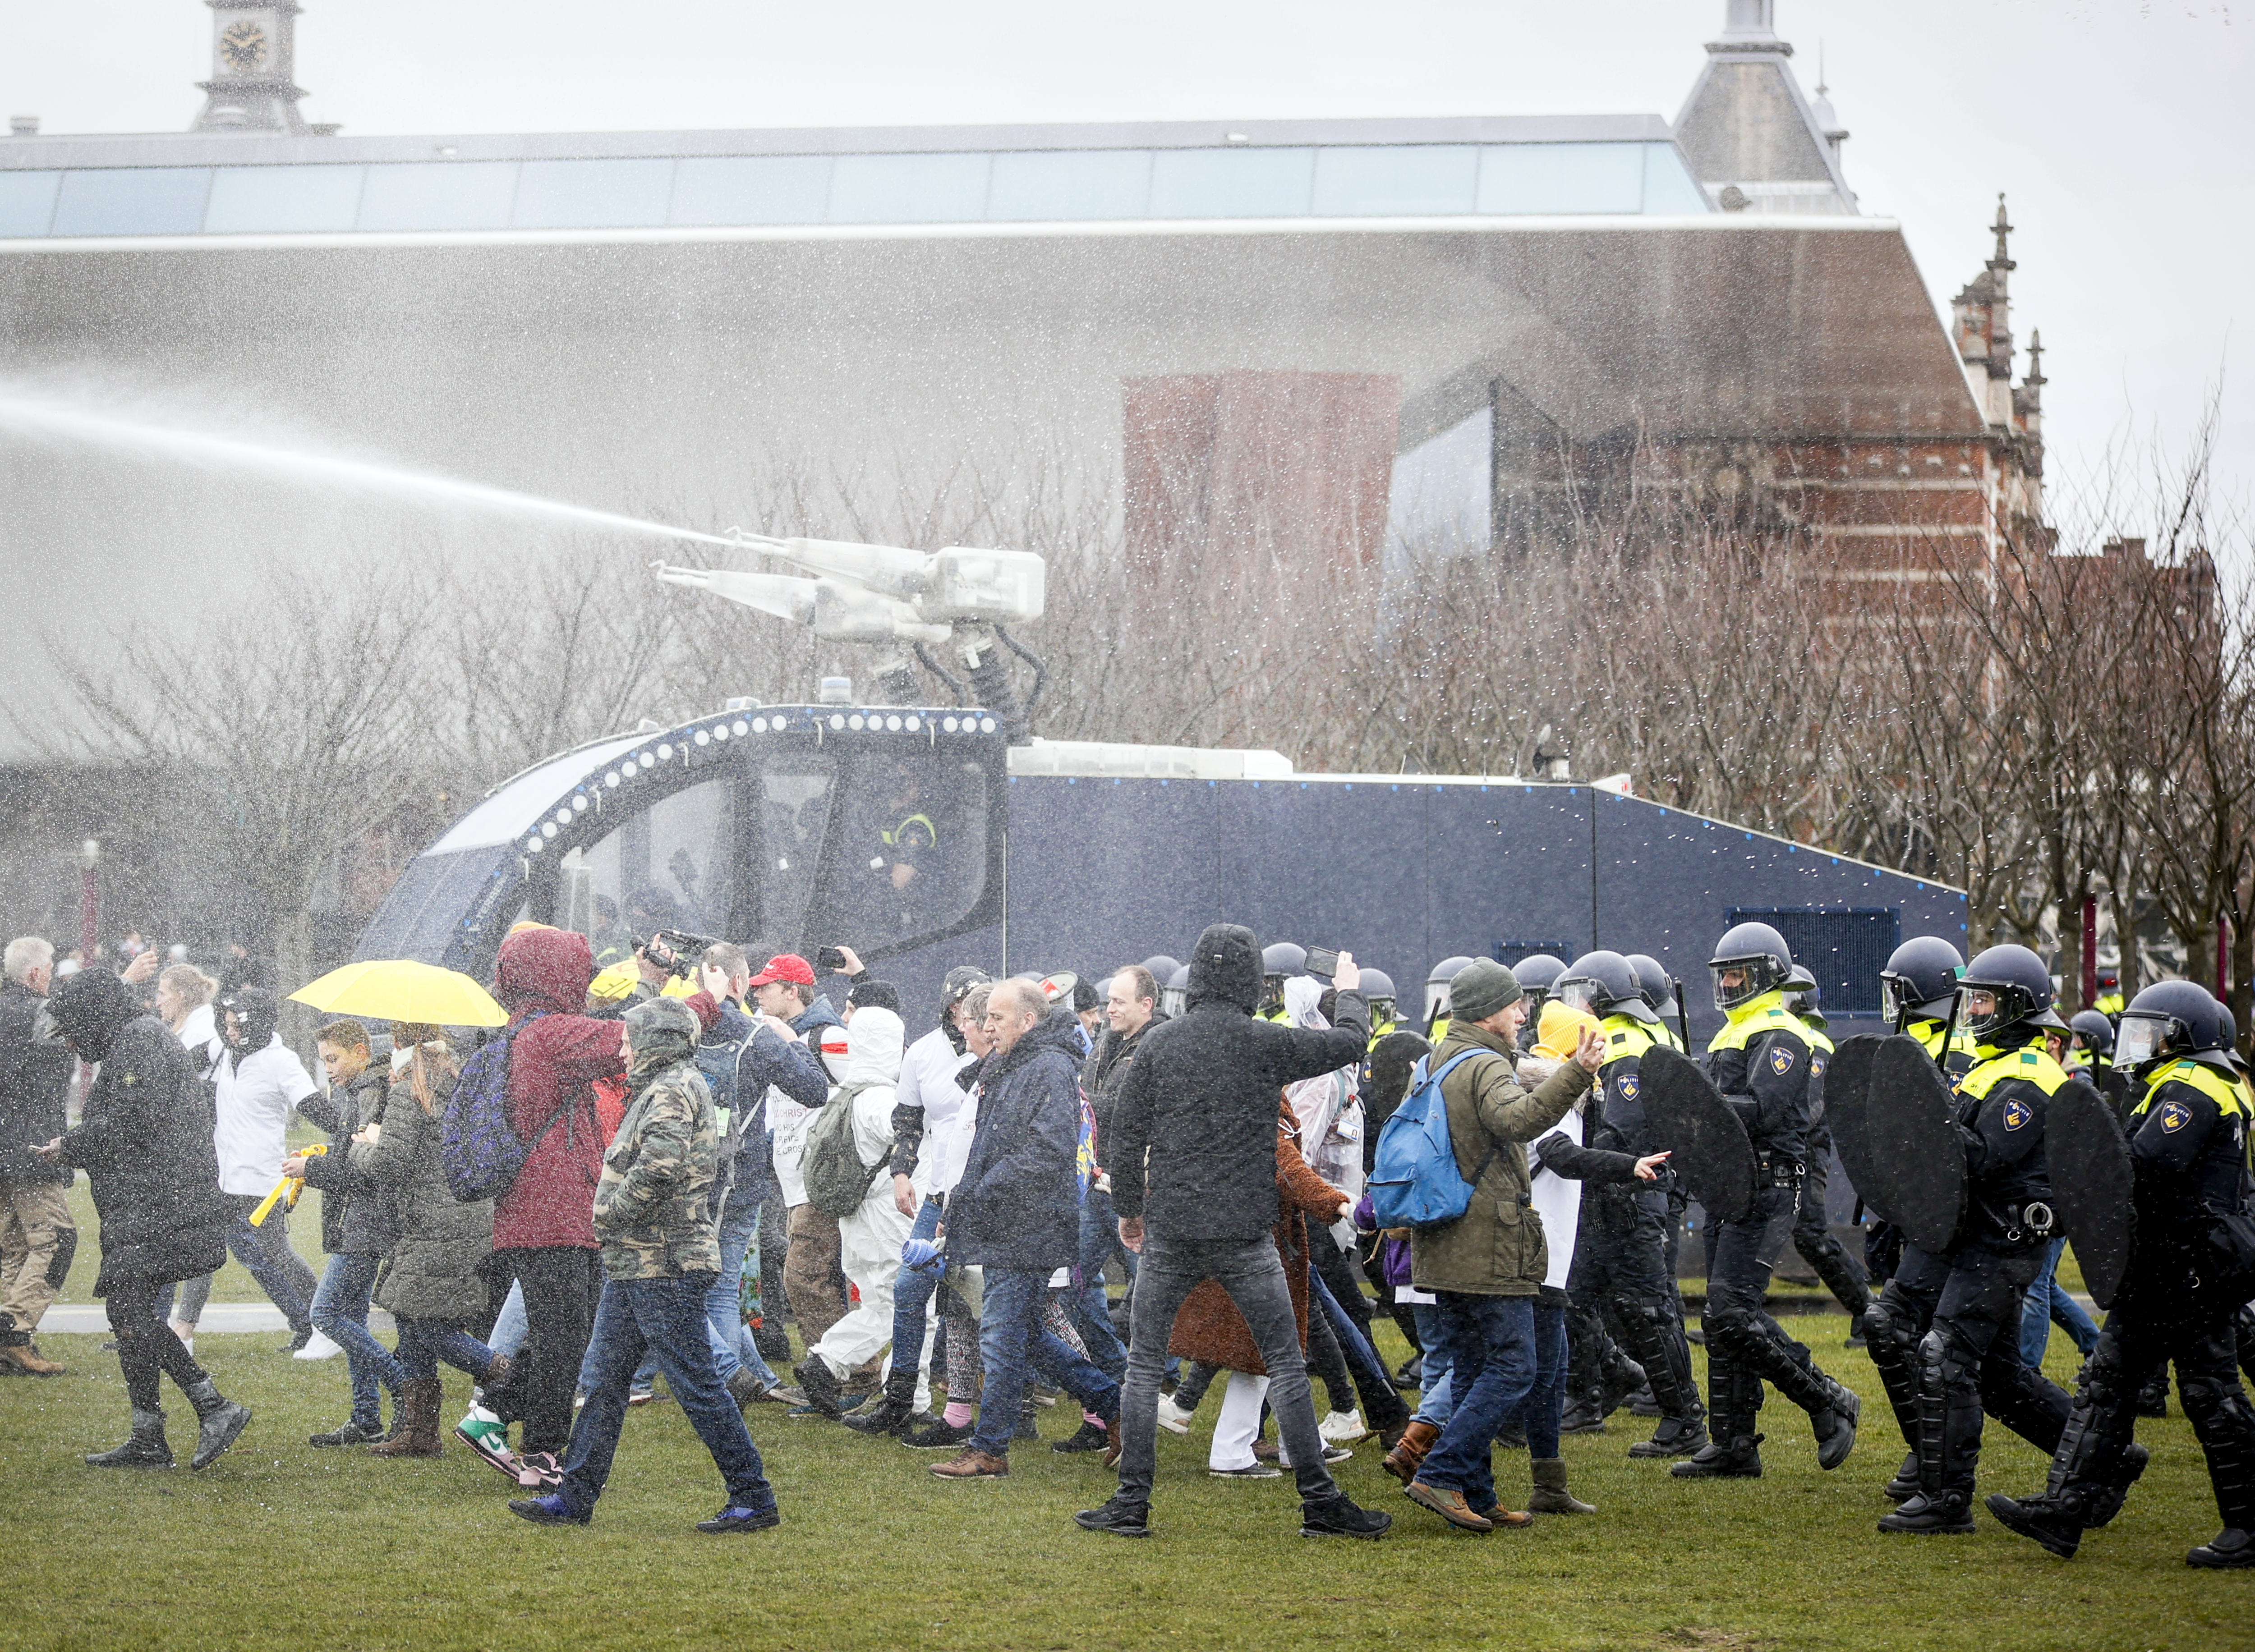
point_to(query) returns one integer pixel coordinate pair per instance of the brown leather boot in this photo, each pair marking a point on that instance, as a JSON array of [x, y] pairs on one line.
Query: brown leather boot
[[22, 1359], [1403, 1461], [417, 1411]]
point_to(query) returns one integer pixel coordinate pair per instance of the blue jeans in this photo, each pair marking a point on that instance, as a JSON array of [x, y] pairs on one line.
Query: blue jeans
[[1011, 1336], [665, 1317], [508, 1333], [1491, 1342], [912, 1295], [423, 1343], [1548, 1398], [1436, 1398], [341, 1314], [732, 1338], [288, 1282], [1090, 1308], [2047, 1301]]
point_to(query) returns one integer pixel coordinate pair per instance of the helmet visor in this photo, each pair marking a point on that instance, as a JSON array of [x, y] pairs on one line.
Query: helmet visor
[[1580, 993], [1738, 981], [2143, 1037]]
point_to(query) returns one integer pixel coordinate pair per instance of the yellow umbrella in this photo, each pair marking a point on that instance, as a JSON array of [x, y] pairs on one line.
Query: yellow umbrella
[[401, 990]]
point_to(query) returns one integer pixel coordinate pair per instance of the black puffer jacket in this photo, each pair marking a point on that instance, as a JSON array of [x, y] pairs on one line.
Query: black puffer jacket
[[34, 1081], [146, 1142], [1202, 1097], [356, 1216], [1018, 1205]]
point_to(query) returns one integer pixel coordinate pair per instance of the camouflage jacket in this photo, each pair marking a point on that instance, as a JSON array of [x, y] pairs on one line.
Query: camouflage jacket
[[653, 1208]]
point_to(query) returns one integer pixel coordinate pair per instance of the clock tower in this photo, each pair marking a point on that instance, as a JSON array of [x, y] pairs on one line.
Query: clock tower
[[250, 89]]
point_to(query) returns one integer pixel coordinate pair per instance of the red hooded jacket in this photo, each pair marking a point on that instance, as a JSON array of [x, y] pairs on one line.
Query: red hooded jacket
[[553, 1063]]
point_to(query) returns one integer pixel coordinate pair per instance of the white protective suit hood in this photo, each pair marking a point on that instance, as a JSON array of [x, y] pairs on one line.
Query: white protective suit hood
[[874, 1039]]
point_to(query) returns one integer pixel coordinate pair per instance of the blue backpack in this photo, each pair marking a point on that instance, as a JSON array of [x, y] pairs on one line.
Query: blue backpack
[[479, 1151], [1414, 1180]]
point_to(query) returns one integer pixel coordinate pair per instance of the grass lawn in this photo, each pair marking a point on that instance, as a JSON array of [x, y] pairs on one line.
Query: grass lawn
[[278, 1543]]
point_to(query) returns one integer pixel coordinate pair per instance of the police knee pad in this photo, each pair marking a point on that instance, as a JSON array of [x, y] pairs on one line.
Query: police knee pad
[[1885, 1327], [1944, 1352], [2209, 1400], [1731, 1324]]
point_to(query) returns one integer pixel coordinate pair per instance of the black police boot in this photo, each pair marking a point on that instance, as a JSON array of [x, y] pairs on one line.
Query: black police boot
[[1675, 1436], [2229, 1549], [218, 1421], [146, 1448], [1583, 1416], [2104, 1505], [1643, 1402], [1949, 1514], [1905, 1484], [1835, 1425], [1893, 1342], [1735, 1458], [1658, 1338], [2054, 1519], [1623, 1377]]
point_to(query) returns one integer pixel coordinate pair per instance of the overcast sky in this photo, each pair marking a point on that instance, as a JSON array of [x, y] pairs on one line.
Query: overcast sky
[[2124, 133]]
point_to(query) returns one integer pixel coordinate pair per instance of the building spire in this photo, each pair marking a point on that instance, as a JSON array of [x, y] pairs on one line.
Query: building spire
[[2000, 264]]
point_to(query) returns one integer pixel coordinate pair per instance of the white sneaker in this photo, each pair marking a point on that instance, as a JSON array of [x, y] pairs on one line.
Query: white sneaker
[[318, 1349], [1173, 1417], [1343, 1428]]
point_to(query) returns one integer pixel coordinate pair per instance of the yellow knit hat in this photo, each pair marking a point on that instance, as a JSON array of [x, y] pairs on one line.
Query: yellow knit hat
[[1560, 1031]]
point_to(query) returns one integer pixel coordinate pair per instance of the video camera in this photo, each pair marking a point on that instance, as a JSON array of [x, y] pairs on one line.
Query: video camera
[[675, 951]]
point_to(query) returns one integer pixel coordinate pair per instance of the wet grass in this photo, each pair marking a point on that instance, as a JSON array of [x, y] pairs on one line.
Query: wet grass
[[281, 1544]]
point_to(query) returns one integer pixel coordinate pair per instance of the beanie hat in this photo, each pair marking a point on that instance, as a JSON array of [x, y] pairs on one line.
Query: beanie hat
[[875, 995], [1480, 988], [1559, 1035]]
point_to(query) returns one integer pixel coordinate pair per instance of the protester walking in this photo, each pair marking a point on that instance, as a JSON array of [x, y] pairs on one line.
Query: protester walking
[[659, 1255], [145, 1144], [1193, 1164], [37, 1237]]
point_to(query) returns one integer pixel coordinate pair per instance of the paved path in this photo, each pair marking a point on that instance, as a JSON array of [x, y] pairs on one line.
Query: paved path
[[85, 1317]]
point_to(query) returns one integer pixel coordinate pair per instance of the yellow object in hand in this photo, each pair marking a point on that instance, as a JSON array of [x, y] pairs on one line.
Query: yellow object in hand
[[288, 1188]]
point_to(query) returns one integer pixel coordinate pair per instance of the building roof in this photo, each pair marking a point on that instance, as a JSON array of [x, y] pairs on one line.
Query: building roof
[[693, 183]]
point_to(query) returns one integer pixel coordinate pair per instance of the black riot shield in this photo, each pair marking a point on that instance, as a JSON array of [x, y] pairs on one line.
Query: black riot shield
[[1917, 1163], [1690, 1117], [2090, 1184], [1847, 1101]]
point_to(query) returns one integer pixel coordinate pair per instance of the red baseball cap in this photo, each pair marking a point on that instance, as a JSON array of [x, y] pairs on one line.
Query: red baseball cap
[[785, 966]]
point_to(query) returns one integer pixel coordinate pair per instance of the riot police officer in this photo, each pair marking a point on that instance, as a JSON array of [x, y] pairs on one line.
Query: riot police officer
[[1967, 1358], [1759, 1061], [1618, 1253], [1280, 961], [1436, 998], [1812, 1232], [1378, 992], [1537, 974], [1652, 979], [1918, 994], [2187, 1279]]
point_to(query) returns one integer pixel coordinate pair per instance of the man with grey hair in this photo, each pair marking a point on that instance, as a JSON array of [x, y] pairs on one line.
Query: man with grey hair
[[37, 1234]]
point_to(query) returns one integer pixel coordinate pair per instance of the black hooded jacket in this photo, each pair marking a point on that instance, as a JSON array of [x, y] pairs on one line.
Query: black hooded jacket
[[1193, 1146], [146, 1141]]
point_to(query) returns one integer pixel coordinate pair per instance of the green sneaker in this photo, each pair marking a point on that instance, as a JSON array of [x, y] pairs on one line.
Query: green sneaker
[[487, 1436]]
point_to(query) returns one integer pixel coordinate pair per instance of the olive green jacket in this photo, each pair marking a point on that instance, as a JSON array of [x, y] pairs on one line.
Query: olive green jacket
[[1496, 1248]]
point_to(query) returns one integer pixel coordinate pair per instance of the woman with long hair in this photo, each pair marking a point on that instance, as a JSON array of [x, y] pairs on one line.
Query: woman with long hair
[[431, 1282]]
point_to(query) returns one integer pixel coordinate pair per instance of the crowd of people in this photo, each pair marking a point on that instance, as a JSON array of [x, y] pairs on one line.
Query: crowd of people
[[643, 1179]]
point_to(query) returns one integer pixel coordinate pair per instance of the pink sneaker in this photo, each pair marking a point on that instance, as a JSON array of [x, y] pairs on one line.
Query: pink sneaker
[[538, 1471]]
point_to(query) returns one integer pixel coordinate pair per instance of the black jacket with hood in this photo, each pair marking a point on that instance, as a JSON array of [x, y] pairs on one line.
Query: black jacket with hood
[[145, 1144], [35, 1075], [1193, 1146]]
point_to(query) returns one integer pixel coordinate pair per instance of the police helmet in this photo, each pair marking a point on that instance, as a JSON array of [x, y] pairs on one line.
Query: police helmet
[[257, 1012], [1651, 977], [1445, 971], [1377, 987], [1175, 993], [1760, 956], [1281, 958], [2018, 983], [1603, 984], [2171, 1020], [1162, 968], [1538, 974], [1920, 979], [2095, 1030], [1803, 996]]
